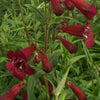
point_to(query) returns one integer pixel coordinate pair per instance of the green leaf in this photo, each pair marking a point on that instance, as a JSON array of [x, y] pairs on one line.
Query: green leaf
[[37, 13], [63, 95], [55, 57], [32, 82], [30, 87], [61, 83], [97, 42]]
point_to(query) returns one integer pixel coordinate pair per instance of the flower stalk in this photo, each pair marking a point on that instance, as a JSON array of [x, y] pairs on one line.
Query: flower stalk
[[27, 34], [34, 31], [1, 50]]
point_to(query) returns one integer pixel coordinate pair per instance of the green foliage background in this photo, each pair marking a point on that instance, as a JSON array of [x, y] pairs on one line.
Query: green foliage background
[[81, 68]]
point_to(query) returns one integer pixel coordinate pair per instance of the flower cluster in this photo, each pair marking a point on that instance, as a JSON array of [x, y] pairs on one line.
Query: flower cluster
[[19, 66], [83, 31], [87, 9]]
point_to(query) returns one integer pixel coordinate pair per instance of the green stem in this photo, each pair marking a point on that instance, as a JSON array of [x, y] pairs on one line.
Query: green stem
[[46, 33], [45, 37], [34, 31], [46, 83], [24, 22], [1, 50], [56, 97]]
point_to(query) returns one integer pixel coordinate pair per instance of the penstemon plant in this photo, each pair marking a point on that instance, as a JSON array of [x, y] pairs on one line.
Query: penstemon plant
[[50, 50]]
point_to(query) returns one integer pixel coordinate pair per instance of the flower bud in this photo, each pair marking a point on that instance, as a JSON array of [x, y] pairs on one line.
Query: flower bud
[[13, 92], [78, 92], [46, 65], [57, 8], [69, 46], [69, 4]]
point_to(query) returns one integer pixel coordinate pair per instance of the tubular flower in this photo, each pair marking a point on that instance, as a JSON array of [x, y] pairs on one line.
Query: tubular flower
[[87, 9], [79, 93], [69, 4], [81, 31], [46, 65], [28, 51], [25, 97], [19, 64], [69, 46], [13, 92], [60, 1], [57, 8], [36, 58]]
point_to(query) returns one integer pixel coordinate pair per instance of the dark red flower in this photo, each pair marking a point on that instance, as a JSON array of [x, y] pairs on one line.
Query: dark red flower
[[81, 31], [78, 92], [69, 4], [36, 58], [28, 51], [13, 92], [50, 87], [25, 96], [87, 9], [19, 64], [69, 46], [60, 1], [46, 65], [57, 8]]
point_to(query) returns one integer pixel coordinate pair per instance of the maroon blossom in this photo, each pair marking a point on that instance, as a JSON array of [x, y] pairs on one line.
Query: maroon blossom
[[78, 92], [13, 92], [69, 46], [81, 31], [87, 9], [36, 58], [60, 1], [19, 63], [25, 96], [28, 51], [46, 65], [57, 8], [69, 4]]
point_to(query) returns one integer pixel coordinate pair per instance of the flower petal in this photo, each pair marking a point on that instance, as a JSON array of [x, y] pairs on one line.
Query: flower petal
[[18, 75], [87, 9], [20, 54], [28, 51], [10, 65], [29, 70], [90, 41], [76, 30], [10, 54], [88, 35]]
